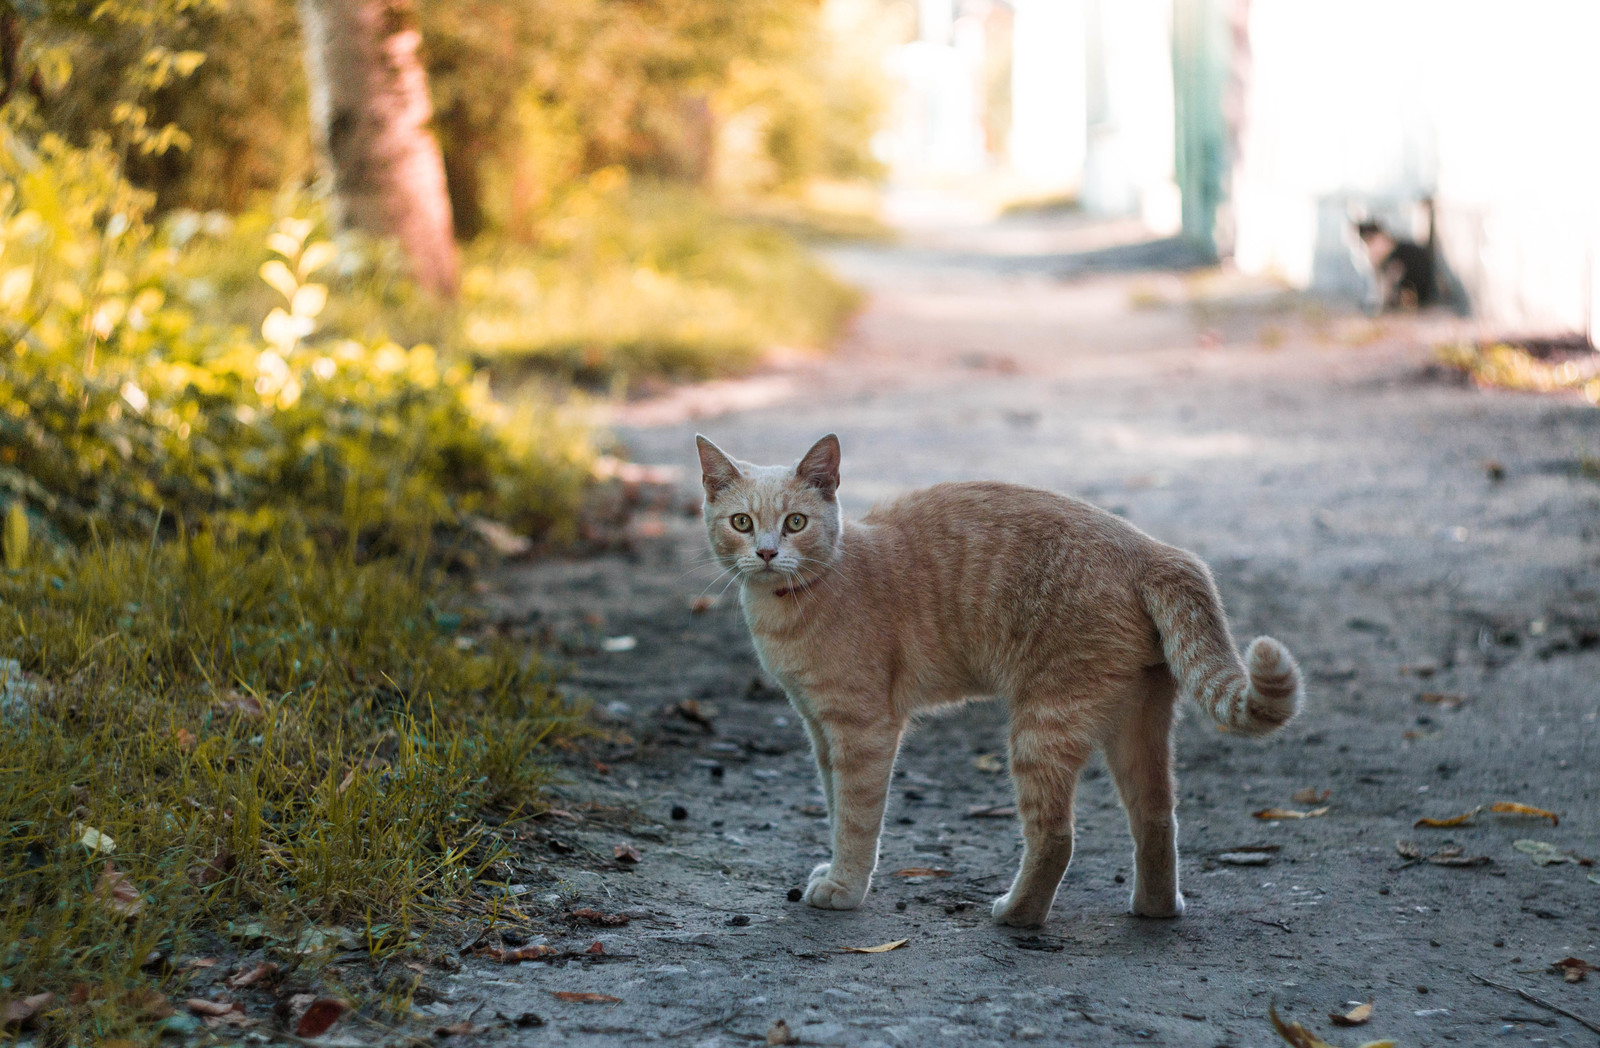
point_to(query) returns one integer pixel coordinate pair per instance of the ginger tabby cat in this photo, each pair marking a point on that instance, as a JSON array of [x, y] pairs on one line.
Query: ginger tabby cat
[[1086, 626]]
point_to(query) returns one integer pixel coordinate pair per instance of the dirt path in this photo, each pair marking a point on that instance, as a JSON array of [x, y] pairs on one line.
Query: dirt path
[[1346, 503]]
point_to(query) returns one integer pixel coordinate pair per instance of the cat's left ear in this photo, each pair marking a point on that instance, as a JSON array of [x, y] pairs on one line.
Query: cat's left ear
[[820, 466]]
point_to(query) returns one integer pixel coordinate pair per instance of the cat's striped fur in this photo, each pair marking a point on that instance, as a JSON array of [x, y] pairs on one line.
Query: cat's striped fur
[[1085, 625]]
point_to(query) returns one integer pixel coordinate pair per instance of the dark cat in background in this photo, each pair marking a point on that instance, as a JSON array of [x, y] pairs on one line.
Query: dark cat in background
[[1406, 272]]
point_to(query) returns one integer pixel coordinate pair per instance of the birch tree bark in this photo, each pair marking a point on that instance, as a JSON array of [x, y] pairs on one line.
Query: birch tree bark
[[369, 115]]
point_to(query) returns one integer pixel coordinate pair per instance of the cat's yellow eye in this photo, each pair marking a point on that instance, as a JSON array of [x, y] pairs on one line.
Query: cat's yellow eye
[[796, 522], [741, 522]]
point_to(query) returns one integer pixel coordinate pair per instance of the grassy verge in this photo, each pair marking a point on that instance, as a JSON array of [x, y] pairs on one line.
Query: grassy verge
[[1507, 366], [206, 742], [645, 282]]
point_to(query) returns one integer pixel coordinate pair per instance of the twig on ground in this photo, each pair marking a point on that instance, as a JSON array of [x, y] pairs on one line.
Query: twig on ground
[[1273, 924], [1540, 1001]]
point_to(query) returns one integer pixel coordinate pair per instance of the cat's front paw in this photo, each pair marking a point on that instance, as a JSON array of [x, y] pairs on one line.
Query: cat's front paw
[[826, 892], [1163, 906], [1020, 913]]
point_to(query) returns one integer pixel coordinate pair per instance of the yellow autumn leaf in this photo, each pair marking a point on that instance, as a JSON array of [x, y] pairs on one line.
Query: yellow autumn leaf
[[1454, 820], [275, 273], [315, 257], [1289, 813], [14, 286], [1513, 808], [1354, 1017], [881, 948], [308, 300]]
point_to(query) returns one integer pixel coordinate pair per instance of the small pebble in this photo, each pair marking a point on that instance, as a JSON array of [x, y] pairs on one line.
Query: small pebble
[[1433, 942], [795, 894], [1119, 878], [739, 920], [679, 812], [1500, 942], [1422, 989], [901, 905], [717, 771]]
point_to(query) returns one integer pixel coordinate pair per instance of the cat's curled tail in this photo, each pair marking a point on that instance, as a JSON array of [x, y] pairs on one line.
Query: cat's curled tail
[[1256, 696]]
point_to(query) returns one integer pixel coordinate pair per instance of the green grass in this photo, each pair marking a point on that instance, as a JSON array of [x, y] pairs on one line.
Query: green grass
[[645, 282], [275, 739]]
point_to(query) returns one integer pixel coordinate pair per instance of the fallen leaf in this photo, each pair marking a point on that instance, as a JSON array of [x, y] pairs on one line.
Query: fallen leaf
[[319, 1015], [344, 783], [1409, 850], [922, 871], [207, 873], [593, 916], [201, 1006], [234, 1018], [1443, 699], [1513, 808], [1454, 820], [1454, 855], [1299, 1037], [235, 703], [117, 892], [251, 976], [626, 852], [1310, 795], [694, 713], [1294, 1033], [1573, 969], [596, 949], [881, 948], [779, 1033], [1354, 1017], [1245, 858], [1542, 853], [22, 1012], [520, 953], [199, 962], [1289, 813], [586, 998], [98, 843], [992, 763], [147, 1004], [186, 739], [991, 811]]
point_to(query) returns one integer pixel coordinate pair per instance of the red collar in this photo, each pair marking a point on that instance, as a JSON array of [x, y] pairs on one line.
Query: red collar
[[785, 591]]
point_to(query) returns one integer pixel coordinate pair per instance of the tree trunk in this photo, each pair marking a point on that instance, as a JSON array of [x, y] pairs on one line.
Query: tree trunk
[[369, 114]]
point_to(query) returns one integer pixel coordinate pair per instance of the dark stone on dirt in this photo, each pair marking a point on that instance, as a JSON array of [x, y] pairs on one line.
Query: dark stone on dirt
[[1039, 942], [739, 920], [901, 905], [521, 1020], [679, 813], [1119, 878], [717, 771], [795, 894], [512, 937]]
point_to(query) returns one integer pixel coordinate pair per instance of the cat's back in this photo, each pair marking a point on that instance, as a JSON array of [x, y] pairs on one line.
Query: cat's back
[[992, 515]]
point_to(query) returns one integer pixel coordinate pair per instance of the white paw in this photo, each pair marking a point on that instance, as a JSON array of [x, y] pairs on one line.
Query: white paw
[[1026, 914], [826, 893], [1159, 907]]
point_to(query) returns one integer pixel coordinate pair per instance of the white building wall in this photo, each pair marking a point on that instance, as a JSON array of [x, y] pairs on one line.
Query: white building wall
[[1493, 108]]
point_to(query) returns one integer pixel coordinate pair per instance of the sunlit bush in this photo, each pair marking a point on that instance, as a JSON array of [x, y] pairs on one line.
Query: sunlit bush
[[128, 388]]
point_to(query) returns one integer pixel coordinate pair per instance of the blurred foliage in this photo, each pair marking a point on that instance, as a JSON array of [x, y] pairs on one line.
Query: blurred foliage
[[120, 398], [529, 96], [642, 280], [1508, 366], [264, 741]]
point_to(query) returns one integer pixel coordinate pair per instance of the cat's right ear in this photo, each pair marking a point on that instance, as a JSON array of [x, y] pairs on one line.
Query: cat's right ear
[[717, 470]]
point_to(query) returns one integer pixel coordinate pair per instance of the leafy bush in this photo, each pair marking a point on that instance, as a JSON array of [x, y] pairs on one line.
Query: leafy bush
[[121, 399], [1514, 367]]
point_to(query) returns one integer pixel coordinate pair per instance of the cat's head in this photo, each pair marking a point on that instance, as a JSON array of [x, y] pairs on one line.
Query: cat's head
[[772, 521]]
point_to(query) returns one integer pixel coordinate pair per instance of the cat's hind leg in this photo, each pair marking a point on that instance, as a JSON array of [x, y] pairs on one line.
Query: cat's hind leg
[[860, 761], [1139, 754], [1048, 750]]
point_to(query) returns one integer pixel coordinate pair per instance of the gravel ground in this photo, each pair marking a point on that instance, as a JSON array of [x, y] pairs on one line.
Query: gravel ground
[[1430, 552]]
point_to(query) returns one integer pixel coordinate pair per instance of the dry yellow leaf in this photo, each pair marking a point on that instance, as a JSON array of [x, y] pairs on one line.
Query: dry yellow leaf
[[991, 763], [922, 871], [1454, 820], [1288, 813], [1299, 1037], [1513, 808], [1354, 1017], [881, 948]]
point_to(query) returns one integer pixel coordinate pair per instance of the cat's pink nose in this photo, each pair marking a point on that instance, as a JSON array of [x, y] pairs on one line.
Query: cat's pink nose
[[766, 554]]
